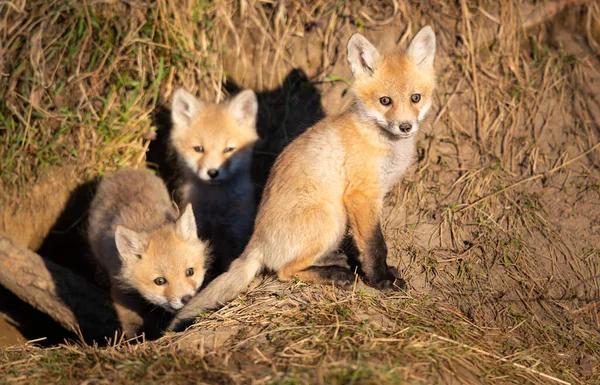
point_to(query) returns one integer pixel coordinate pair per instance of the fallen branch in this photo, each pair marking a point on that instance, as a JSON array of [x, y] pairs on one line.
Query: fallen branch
[[72, 301]]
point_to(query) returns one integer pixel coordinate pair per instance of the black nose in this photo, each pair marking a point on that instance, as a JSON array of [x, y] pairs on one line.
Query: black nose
[[213, 173], [185, 299], [405, 127]]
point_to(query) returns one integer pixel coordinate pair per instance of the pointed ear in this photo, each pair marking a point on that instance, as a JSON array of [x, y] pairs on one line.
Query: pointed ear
[[186, 224], [422, 48], [130, 244], [363, 57], [185, 108], [244, 107]]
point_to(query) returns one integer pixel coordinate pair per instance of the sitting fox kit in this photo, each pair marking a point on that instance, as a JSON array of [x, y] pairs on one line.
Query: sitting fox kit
[[335, 176], [135, 235], [213, 144]]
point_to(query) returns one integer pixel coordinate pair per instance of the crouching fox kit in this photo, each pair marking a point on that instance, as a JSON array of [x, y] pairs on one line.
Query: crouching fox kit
[[335, 176], [135, 235], [213, 144]]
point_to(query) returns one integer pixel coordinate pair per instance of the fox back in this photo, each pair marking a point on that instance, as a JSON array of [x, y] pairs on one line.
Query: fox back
[[135, 235]]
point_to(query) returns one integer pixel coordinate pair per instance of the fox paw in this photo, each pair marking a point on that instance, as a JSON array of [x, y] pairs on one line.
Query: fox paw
[[390, 282], [179, 324], [341, 277], [327, 275]]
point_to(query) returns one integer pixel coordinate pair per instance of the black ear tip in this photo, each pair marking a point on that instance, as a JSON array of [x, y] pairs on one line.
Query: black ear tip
[[356, 40]]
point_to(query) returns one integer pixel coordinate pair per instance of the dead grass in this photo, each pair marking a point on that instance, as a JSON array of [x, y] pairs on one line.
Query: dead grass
[[496, 229], [81, 80], [291, 338]]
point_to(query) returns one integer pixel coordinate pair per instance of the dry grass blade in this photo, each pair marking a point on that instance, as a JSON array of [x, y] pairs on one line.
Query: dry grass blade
[[536, 372], [531, 178], [503, 273]]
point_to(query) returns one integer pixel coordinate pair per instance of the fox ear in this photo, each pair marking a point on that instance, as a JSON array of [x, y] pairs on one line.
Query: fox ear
[[130, 244], [363, 57], [185, 107], [186, 224], [244, 107], [422, 48]]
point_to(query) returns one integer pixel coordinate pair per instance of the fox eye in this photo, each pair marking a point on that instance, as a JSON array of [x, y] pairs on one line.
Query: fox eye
[[160, 281], [199, 149], [415, 98], [385, 100], [189, 272], [228, 149]]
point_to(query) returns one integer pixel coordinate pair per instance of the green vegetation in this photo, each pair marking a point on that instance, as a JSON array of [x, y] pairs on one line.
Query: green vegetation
[[495, 228]]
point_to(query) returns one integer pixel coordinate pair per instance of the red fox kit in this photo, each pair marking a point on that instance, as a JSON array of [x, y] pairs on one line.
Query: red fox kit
[[213, 144], [136, 237], [335, 176]]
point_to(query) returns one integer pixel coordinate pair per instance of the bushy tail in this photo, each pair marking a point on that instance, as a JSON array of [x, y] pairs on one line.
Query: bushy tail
[[224, 288]]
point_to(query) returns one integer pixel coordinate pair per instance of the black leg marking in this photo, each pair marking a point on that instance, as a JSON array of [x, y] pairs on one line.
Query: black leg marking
[[337, 258], [374, 269], [179, 325], [327, 274]]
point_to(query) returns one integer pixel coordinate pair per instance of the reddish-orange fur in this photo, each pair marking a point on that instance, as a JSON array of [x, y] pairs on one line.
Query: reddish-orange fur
[[335, 176]]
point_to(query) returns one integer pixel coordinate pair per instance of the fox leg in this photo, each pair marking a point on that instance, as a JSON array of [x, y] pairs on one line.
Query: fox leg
[[363, 213], [326, 275], [304, 269], [337, 258], [128, 311]]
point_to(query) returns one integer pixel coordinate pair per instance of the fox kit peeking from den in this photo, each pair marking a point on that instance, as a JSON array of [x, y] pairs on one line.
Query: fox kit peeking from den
[[213, 144], [335, 176], [135, 235]]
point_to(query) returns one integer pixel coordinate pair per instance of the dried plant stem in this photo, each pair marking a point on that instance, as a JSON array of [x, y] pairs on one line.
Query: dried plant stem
[[480, 351], [472, 57], [529, 179]]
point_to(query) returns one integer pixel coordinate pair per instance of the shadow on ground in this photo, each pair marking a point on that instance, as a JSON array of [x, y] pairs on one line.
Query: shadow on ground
[[284, 113]]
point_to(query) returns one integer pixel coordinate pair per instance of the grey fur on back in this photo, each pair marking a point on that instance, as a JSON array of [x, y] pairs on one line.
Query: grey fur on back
[[135, 199]]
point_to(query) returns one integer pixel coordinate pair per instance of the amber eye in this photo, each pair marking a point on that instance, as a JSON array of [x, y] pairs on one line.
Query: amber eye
[[189, 272], [385, 100], [415, 98], [160, 281], [228, 149], [199, 149]]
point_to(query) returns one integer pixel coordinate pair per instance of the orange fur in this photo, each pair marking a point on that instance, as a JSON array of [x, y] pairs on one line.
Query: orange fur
[[336, 175], [213, 144], [215, 130], [135, 235]]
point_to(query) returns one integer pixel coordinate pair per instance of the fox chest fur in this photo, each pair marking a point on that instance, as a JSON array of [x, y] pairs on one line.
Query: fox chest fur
[[374, 162], [395, 163]]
